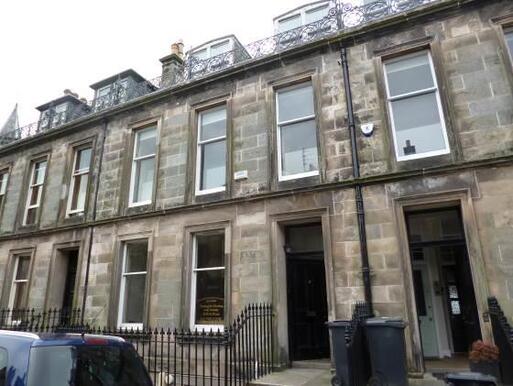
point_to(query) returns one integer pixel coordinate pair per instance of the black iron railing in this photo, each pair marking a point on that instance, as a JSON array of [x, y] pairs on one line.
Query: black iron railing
[[235, 355], [37, 320], [339, 18], [503, 337]]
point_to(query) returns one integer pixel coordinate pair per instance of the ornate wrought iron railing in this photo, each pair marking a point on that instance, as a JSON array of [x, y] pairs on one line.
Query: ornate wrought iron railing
[[339, 18], [236, 355], [503, 337], [39, 320]]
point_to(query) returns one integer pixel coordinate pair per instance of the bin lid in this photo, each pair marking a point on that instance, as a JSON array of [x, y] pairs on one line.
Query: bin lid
[[385, 321], [338, 323], [469, 376]]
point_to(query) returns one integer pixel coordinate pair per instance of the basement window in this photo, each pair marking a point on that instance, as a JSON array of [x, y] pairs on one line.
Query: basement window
[[133, 284], [297, 133], [415, 108], [208, 281]]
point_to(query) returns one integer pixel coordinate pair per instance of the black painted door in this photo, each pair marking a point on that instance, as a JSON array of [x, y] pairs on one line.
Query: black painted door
[[307, 308]]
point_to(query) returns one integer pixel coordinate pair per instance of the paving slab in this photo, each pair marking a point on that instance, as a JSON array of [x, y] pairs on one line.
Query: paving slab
[[296, 377]]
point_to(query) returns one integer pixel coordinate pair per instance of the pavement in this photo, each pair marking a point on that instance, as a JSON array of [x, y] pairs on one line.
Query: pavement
[[296, 377]]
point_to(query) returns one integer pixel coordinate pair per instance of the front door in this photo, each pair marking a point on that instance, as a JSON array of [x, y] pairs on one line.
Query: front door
[[308, 313], [307, 302], [424, 300]]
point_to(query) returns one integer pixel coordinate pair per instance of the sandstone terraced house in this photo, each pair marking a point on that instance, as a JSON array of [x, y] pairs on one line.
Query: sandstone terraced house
[[361, 153]]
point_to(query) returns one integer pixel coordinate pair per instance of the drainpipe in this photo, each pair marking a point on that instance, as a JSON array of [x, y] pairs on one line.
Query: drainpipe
[[91, 228], [358, 187]]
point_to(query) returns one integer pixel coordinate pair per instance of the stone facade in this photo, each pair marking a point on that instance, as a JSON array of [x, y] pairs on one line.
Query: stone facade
[[474, 72]]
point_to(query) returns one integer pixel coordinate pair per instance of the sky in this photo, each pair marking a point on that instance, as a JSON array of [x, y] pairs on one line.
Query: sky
[[48, 46]]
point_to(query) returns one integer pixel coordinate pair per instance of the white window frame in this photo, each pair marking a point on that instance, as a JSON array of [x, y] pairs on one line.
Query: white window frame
[[76, 174], [200, 144], [194, 270], [279, 124], [121, 304], [302, 15], [15, 282], [135, 160], [59, 114], [508, 35], [431, 90], [31, 187], [208, 47], [3, 185]]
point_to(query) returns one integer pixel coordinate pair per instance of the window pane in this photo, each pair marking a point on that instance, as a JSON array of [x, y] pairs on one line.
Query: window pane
[[200, 55], [3, 182], [31, 216], [19, 295], [144, 174], [210, 297], [135, 286], [213, 124], [39, 172], [289, 23], [295, 103], [104, 91], [509, 41], [220, 48], [146, 142], [34, 193], [299, 148], [23, 268], [417, 125], [210, 250], [83, 159], [79, 192], [316, 14], [136, 257], [408, 75], [213, 168]]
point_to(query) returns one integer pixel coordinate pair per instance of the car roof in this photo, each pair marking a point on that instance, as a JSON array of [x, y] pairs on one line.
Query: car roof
[[59, 339]]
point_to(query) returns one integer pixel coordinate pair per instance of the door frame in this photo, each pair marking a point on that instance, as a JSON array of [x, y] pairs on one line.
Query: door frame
[[458, 198], [279, 272]]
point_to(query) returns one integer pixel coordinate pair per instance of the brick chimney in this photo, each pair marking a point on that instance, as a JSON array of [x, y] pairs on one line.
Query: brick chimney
[[172, 65]]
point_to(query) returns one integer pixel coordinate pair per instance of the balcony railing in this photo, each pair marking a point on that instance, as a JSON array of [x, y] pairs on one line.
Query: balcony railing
[[340, 17]]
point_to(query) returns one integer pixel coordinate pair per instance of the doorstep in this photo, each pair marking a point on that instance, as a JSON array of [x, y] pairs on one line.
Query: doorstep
[[296, 377]]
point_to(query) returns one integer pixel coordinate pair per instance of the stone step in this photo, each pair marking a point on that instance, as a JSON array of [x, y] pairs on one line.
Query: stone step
[[427, 380], [312, 364]]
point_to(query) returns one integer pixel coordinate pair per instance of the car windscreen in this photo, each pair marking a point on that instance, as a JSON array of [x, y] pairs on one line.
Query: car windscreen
[[86, 366]]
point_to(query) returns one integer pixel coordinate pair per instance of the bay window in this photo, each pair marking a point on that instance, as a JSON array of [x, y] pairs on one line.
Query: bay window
[[79, 181], [133, 284], [35, 191], [211, 151], [415, 108], [297, 133], [208, 281], [143, 166]]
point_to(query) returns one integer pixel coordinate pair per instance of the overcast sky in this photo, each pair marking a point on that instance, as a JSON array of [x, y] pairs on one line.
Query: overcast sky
[[48, 46]]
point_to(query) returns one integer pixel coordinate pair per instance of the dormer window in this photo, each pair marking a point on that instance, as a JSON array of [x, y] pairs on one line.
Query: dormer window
[[120, 88], [215, 55], [61, 110], [59, 116], [307, 14]]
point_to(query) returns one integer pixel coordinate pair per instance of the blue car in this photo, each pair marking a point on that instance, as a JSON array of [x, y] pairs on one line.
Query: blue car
[[28, 359]]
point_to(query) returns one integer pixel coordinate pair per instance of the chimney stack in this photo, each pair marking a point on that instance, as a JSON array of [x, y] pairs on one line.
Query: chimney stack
[[172, 65]]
